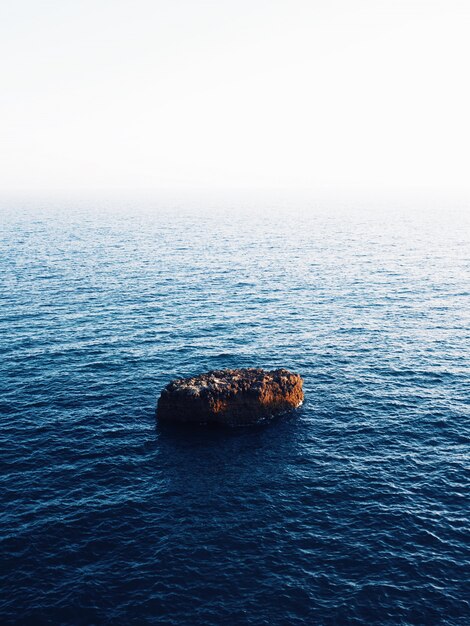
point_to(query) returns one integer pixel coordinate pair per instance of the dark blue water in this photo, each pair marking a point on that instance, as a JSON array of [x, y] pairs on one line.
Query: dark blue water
[[353, 510]]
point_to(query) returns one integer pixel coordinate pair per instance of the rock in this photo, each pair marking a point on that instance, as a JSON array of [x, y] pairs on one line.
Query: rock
[[232, 397]]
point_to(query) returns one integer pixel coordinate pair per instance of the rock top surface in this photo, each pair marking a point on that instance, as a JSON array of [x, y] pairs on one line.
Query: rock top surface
[[232, 397]]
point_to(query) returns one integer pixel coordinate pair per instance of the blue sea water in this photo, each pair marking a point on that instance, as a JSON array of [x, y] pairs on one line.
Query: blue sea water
[[351, 510]]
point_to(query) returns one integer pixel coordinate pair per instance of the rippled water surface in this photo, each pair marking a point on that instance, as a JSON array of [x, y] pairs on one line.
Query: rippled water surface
[[353, 510]]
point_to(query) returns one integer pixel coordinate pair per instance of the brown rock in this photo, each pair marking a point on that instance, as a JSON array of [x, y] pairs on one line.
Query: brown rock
[[233, 397]]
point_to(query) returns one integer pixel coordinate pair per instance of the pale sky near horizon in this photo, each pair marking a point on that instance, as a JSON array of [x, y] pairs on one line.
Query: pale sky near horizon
[[142, 94]]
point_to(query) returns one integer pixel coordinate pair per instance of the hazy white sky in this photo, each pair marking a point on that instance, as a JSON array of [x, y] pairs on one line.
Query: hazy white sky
[[149, 94]]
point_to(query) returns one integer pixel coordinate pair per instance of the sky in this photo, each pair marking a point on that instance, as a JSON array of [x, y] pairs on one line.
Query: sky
[[239, 94]]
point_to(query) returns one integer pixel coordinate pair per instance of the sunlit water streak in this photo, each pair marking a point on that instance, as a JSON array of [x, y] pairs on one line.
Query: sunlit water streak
[[353, 510]]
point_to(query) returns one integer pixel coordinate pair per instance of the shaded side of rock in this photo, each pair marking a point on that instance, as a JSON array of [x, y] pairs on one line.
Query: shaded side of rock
[[232, 397]]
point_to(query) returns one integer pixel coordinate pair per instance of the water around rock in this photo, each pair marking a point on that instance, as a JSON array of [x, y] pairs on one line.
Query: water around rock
[[352, 510]]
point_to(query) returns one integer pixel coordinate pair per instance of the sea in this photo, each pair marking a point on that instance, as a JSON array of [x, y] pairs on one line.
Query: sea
[[353, 509]]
